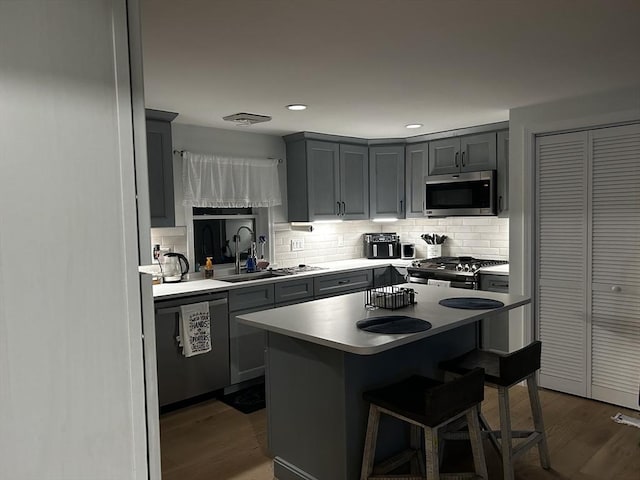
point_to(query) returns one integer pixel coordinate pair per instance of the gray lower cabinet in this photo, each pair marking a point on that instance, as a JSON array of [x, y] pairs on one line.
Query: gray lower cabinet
[[294, 291], [468, 153], [160, 167], [179, 377], [503, 173], [326, 180], [495, 332], [416, 167], [246, 344], [385, 276], [341, 283], [386, 182]]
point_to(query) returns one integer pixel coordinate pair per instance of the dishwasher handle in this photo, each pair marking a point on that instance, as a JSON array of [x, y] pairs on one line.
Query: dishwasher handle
[[169, 311]]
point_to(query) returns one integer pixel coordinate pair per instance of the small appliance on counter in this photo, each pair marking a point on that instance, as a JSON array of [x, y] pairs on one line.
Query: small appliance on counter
[[174, 267], [381, 245], [407, 251]]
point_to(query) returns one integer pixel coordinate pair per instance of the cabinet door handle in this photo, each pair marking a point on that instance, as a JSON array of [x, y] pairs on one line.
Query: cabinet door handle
[[342, 282], [338, 203], [401, 206], [344, 208], [457, 154], [463, 158], [616, 288], [500, 203]]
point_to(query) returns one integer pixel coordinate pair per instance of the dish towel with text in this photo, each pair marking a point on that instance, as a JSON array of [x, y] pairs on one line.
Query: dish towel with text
[[195, 329]]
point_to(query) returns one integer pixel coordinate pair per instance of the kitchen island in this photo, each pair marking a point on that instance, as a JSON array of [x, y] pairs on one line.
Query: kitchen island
[[318, 364]]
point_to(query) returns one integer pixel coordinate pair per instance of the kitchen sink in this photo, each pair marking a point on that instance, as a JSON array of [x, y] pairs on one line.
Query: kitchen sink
[[247, 277]]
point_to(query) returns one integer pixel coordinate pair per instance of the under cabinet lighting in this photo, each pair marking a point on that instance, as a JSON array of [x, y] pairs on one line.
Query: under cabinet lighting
[[413, 125], [302, 226], [297, 106], [383, 220], [327, 221]]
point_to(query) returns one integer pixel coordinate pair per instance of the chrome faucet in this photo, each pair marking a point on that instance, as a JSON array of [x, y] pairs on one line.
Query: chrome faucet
[[236, 239]]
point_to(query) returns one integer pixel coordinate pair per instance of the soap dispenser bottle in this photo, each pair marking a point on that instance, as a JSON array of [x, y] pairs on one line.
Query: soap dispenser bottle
[[208, 268]]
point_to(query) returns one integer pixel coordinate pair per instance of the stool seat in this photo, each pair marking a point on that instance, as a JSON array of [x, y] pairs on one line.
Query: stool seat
[[425, 404], [429, 401], [503, 369]]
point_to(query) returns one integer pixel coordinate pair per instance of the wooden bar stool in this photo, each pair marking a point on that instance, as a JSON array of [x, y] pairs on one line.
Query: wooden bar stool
[[428, 405], [503, 371]]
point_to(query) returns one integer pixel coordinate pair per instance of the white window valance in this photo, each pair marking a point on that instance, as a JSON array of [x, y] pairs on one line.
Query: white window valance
[[217, 181]]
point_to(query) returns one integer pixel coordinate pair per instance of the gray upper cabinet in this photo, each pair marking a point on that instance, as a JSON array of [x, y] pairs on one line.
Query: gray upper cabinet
[[323, 160], [354, 178], [469, 153], [416, 159], [327, 180], [503, 173], [386, 181], [160, 167]]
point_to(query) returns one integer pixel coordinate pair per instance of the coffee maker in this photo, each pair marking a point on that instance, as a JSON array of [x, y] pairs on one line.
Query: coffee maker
[[381, 245]]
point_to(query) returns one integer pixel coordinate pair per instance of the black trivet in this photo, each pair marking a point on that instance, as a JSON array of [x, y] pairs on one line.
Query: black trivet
[[471, 303], [393, 324]]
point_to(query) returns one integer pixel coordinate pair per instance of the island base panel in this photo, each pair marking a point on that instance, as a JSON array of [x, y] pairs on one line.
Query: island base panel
[[316, 415]]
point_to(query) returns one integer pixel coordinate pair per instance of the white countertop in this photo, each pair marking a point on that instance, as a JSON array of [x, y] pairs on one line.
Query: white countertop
[[496, 269], [212, 285], [332, 321]]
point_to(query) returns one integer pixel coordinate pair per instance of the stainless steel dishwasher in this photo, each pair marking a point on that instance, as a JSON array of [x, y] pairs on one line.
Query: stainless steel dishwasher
[[180, 377]]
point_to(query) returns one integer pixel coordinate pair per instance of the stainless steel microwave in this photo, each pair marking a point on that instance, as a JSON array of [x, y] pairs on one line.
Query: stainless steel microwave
[[460, 194]]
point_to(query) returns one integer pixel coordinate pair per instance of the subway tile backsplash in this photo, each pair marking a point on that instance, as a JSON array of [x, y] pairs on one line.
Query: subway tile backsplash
[[174, 238], [482, 237]]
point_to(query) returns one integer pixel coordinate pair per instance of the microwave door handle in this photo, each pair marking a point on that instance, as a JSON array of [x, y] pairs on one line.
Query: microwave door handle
[[375, 250], [390, 250]]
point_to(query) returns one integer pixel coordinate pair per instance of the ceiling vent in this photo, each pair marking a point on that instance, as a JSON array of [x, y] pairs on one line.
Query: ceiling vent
[[246, 119]]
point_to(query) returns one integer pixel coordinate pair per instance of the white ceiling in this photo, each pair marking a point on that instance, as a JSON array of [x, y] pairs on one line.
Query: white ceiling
[[367, 68]]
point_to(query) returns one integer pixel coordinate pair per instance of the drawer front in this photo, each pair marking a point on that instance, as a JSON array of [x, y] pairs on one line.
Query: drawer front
[[494, 283], [294, 291], [251, 297], [329, 285]]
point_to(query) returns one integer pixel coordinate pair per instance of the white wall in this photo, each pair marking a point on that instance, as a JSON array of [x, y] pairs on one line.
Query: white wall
[[71, 374], [604, 108]]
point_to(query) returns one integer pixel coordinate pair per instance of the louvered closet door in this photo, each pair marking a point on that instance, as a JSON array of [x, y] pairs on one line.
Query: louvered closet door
[[615, 233], [561, 221]]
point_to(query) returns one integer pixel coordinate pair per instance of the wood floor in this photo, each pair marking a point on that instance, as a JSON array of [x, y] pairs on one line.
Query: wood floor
[[212, 441]]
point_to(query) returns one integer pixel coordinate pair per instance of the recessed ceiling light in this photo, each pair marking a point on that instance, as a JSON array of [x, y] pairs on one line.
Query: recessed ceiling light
[[297, 106], [413, 125]]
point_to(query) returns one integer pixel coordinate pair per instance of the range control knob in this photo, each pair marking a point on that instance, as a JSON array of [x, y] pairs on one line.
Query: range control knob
[[467, 268], [459, 268], [474, 268]]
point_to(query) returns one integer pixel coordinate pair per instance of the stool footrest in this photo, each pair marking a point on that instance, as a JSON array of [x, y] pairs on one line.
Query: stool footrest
[[448, 476], [395, 461], [532, 440]]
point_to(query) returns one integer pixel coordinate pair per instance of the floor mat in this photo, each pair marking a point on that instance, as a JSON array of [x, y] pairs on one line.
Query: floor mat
[[247, 400]]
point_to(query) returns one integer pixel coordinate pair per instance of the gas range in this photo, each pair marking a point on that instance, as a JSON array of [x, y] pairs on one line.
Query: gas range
[[461, 272]]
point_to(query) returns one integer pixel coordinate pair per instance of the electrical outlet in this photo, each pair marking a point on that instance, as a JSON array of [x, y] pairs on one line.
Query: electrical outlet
[[297, 244], [341, 240]]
